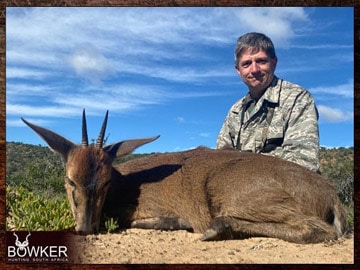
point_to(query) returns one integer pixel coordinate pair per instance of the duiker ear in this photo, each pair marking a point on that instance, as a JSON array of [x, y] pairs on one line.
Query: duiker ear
[[126, 147], [55, 141]]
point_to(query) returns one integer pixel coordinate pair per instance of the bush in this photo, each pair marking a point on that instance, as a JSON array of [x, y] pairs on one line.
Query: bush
[[36, 212]]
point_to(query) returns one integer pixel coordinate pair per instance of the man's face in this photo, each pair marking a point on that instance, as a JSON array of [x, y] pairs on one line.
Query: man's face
[[257, 71]]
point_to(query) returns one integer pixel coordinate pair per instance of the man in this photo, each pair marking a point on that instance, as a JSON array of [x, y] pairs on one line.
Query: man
[[275, 117]]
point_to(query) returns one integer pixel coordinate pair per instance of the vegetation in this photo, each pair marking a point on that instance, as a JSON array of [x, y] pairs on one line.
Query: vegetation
[[337, 165], [36, 199], [36, 212]]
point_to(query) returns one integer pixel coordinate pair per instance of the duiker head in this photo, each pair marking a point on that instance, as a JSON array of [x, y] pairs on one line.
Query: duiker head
[[88, 171]]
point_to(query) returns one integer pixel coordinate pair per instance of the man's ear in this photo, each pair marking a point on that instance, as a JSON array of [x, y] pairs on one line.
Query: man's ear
[[237, 70], [274, 61]]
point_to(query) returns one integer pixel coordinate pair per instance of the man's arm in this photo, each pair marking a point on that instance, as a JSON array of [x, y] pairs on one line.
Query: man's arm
[[224, 138], [301, 140]]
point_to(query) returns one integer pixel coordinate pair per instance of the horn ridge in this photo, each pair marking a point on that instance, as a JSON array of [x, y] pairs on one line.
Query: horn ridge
[[100, 140], [84, 141]]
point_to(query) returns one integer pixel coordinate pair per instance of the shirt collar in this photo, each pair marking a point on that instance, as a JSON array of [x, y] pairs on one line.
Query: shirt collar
[[272, 93]]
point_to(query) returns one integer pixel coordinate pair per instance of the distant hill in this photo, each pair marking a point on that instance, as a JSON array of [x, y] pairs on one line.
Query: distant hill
[[37, 165]]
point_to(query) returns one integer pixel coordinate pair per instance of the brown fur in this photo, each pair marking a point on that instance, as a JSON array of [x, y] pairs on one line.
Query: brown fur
[[259, 195], [223, 194], [90, 169]]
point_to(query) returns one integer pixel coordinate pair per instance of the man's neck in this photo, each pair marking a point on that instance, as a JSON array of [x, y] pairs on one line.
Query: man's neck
[[257, 94]]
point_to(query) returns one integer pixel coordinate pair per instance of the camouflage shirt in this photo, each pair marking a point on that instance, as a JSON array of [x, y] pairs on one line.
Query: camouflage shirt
[[282, 123]]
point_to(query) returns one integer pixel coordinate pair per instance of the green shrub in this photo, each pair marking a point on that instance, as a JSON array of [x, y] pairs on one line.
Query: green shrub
[[111, 224], [36, 212]]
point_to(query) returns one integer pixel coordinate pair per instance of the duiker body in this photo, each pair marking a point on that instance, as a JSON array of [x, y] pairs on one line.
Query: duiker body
[[223, 194]]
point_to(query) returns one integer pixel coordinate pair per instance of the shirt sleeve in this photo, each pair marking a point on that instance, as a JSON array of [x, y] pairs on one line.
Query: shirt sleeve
[[301, 138], [224, 137]]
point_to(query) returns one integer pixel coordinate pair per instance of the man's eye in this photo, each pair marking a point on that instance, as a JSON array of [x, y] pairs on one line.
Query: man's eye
[[262, 61]]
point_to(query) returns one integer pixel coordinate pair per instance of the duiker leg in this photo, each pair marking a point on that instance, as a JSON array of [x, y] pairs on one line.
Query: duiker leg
[[302, 229], [162, 223]]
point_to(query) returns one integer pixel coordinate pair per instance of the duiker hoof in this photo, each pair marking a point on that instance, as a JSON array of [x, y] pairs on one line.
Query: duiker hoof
[[220, 229], [210, 235]]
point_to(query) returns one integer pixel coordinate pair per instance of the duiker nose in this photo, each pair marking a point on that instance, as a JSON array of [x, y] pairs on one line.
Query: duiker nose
[[83, 230]]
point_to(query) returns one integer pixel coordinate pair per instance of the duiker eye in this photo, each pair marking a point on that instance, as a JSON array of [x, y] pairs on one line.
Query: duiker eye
[[106, 184], [69, 181]]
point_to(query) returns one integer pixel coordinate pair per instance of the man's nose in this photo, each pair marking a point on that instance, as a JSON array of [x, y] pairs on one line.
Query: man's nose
[[254, 67]]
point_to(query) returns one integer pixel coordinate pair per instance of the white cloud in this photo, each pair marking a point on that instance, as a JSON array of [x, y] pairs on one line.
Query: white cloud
[[49, 111], [17, 90], [132, 39], [20, 123], [180, 119], [54, 100], [66, 103], [204, 134], [26, 73], [277, 23], [334, 115], [345, 90], [89, 63]]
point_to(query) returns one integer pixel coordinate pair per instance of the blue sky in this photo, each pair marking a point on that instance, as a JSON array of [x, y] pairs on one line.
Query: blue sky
[[167, 71]]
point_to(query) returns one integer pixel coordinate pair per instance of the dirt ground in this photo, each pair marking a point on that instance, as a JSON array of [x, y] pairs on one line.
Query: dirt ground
[[135, 246]]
